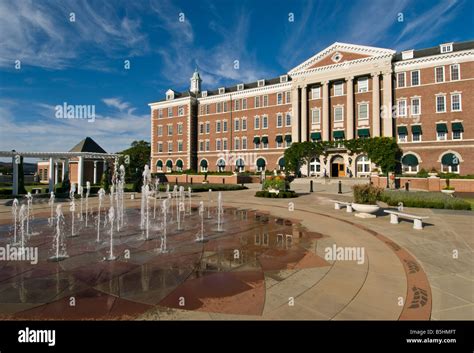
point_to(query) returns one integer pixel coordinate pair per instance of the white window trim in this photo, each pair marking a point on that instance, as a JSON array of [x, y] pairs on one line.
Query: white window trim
[[218, 143], [218, 122], [342, 89], [436, 102], [436, 76], [265, 117], [459, 139], [411, 78], [314, 110], [279, 125], [400, 140], [366, 84], [438, 139], [242, 143], [406, 107], [358, 111], [337, 107], [226, 125], [280, 95], [460, 102], [236, 124], [420, 140], [242, 125], [411, 106], [451, 72], [404, 79], [447, 46], [255, 118], [316, 90], [286, 121]]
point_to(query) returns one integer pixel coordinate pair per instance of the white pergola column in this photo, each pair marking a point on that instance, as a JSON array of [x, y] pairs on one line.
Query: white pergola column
[[50, 174], [350, 108], [56, 172], [295, 115], [304, 114], [80, 171], [15, 175], [375, 105], [66, 168], [95, 173], [387, 102], [325, 125]]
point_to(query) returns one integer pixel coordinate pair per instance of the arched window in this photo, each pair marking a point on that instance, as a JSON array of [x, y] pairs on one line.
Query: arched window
[[221, 165], [450, 163], [159, 165], [363, 165], [240, 165], [410, 163], [281, 163], [179, 165], [203, 165], [260, 164], [169, 165], [314, 167]]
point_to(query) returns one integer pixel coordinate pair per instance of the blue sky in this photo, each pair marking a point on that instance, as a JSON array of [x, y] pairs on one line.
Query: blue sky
[[82, 62]]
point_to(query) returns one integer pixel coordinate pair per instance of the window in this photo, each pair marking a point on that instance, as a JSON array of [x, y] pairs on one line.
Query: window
[[441, 135], [160, 130], [224, 144], [218, 144], [257, 102], [439, 74], [257, 122], [170, 111], [402, 107], [237, 143], [415, 106], [363, 111], [170, 130], [244, 103], [237, 104], [265, 101], [160, 147], [338, 89], [363, 165], [456, 102], [180, 146], [204, 94], [279, 120], [338, 114], [170, 146], [208, 145], [244, 143], [288, 119], [244, 124], [457, 134], [288, 97], [316, 93], [261, 83], [401, 79], [411, 163], [160, 113], [265, 142], [201, 145], [415, 78], [455, 72], [218, 126], [222, 90], [207, 108], [446, 48], [362, 85], [283, 78], [440, 104], [315, 117], [225, 107], [264, 122], [279, 98], [180, 129], [236, 124], [240, 87], [208, 127], [416, 137], [201, 128], [402, 137], [181, 110], [219, 107], [224, 125]]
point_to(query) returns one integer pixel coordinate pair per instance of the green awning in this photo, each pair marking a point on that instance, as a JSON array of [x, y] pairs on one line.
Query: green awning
[[281, 162], [159, 164], [169, 163], [279, 138], [179, 163], [410, 160], [441, 128], [457, 127], [363, 132], [260, 162], [416, 129], [256, 140], [338, 134], [315, 136], [203, 163], [288, 138], [450, 159], [265, 139], [402, 130]]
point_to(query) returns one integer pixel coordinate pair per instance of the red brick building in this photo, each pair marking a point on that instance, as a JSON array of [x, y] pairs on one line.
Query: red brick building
[[424, 98]]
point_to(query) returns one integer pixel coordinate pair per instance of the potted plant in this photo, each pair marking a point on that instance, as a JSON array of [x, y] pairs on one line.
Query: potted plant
[[275, 184], [433, 173], [366, 197], [448, 189]]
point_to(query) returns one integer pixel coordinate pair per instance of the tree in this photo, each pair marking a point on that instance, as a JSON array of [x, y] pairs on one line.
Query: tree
[[384, 152], [135, 157], [293, 158]]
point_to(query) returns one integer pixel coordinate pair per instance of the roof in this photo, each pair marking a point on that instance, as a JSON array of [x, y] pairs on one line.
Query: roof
[[87, 145], [420, 53]]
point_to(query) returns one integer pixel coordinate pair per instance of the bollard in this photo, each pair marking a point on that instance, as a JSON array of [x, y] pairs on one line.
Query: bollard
[[311, 186], [223, 180], [339, 186], [407, 186], [176, 181], [191, 181]]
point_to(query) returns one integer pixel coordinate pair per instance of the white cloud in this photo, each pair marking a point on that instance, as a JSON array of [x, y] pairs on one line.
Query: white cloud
[[116, 103]]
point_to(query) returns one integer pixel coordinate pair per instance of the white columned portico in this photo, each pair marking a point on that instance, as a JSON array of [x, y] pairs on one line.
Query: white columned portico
[[304, 114], [295, 115], [325, 125], [375, 104], [95, 173], [15, 161], [56, 172], [387, 102], [350, 108], [50, 174], [66, 169], [80, 170]]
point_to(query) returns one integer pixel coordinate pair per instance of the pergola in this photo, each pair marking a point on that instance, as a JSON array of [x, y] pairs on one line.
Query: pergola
[[53, 157]]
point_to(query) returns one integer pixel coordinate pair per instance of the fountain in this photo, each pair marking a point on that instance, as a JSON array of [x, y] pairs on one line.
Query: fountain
[[200, 234], [88, 190], [209, 204], [72, 208], [146, 181], [146, 195], [59, 241], [189, 197], [220, 212], [164, 212], [23, 215], [15, 213], [170, 205], [181, 210], [29, 211], [157, 193], [101, 194], [111, 221], [51, 204], [80, 191]]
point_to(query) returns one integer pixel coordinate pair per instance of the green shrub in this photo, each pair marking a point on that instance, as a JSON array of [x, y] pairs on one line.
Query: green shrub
[[366, 194], [424, 200], [276, 182], [422, 173], [272, 195]]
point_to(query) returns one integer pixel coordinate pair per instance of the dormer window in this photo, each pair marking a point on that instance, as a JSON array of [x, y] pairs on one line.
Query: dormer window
[[204, 94], [407, 54], [446, 48], [222, 90], [261, 83], [283, 78], [240, 87], [169, 94]]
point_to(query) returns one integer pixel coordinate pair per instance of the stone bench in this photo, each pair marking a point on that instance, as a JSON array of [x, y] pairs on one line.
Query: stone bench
[[339, 204], [417, 220]]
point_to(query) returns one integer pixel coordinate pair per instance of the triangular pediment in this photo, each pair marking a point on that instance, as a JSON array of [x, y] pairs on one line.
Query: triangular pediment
[[338, 53]]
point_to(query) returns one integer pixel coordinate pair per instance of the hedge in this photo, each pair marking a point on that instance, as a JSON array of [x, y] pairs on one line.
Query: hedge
[[424, 200], [272, 195]]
